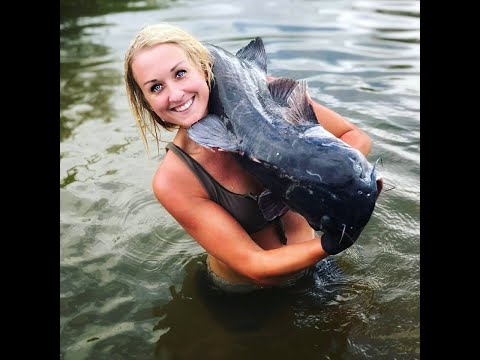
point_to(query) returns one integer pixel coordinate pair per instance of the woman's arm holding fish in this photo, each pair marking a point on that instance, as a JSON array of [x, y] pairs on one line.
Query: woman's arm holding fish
[[342, 128], [339, 126], [223, 237]]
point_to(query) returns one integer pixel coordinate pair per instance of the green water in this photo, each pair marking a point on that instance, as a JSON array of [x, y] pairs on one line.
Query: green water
[[132, 281]]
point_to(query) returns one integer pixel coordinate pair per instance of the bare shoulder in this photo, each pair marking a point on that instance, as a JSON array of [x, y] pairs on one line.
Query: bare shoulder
[[163, 178], [174, 183]]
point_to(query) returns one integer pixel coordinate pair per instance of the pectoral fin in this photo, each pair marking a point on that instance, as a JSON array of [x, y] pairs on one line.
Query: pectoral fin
[[212, 132], [271, 205]]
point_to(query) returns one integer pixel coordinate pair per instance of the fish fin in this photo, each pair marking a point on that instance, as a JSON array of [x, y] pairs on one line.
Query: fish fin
[[281, 88], [271, 205], [299, 109], [211, 131], [255, 53]]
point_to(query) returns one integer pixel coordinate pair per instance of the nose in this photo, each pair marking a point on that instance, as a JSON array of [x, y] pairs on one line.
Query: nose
[[175, 95]]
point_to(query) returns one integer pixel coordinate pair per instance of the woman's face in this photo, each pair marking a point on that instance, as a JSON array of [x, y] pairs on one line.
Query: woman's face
[[175, 89]]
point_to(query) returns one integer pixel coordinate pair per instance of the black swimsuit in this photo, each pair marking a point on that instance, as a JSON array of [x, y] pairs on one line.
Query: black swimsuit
[[244, 208]]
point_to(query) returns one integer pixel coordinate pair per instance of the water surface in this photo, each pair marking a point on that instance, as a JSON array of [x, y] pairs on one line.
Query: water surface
[[132, 280]]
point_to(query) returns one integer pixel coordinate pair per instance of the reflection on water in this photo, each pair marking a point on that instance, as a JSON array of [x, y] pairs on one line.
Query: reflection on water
[[86, 94], [275, 322], [325, 313], [73, 9], [133, 281]]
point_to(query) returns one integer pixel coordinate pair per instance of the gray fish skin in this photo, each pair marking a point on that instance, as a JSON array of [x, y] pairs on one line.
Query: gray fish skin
[[274, 134]]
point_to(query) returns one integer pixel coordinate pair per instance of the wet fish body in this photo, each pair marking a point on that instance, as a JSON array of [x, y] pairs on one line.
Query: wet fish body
[[274, 134]]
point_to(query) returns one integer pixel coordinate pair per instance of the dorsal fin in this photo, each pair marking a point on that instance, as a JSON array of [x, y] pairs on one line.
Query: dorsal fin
[[255, 53], [281, 88], [299, 109]]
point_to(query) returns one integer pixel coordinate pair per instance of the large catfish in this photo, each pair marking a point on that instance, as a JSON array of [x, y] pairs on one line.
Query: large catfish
[[274, 134]]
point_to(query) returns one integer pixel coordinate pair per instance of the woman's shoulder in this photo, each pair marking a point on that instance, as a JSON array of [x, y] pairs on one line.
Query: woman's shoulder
[[173, 181], [164, 178]]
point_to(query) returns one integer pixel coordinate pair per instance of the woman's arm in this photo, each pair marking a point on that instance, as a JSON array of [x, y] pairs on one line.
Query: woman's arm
[[342, 128], [223, 237], [339, 126]]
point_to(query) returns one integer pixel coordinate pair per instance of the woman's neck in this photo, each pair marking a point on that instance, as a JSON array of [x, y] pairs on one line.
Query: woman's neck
[[188, 145]]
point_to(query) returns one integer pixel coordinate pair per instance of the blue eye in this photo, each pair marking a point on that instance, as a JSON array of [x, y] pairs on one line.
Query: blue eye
[[156, 88], [180, 73]]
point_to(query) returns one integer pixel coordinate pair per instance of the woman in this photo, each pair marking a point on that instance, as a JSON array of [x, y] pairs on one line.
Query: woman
[[168, 75]]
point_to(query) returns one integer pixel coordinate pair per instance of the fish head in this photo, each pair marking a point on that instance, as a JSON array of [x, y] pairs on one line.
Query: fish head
[[341, 211]]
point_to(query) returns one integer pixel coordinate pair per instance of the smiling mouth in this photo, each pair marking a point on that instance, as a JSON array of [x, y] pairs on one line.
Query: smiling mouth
[[184, 107]]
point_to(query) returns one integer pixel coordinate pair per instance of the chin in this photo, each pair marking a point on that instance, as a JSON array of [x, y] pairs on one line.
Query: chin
[[195, 119], [193, 122]]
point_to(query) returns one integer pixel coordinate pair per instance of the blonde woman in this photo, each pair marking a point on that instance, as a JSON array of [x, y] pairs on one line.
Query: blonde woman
[[168, 76]]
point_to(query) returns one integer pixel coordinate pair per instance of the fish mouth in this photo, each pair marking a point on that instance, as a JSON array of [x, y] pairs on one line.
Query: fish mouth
[[185, 106]]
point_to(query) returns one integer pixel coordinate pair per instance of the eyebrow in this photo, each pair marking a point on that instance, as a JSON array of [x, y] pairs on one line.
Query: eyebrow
[[173, 68]]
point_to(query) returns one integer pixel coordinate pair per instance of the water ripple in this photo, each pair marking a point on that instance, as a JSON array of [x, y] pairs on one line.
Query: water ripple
[[129, 272]]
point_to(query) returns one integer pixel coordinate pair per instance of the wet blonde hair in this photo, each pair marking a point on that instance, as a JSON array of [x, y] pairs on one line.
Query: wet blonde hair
[[148, 37]]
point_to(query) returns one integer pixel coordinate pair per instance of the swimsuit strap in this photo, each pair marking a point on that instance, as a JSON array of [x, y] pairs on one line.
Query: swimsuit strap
[[207, 181], [211, 185]]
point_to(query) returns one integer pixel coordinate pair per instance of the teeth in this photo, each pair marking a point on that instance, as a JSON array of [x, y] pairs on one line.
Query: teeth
[[184, 106]]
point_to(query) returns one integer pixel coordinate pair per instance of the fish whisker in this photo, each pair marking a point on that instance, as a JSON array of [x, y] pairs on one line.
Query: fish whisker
[[379, 160], [343, 232], [388, 187]]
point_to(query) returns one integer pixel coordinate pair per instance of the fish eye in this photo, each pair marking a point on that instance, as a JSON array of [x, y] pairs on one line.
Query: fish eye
[[325, 219]]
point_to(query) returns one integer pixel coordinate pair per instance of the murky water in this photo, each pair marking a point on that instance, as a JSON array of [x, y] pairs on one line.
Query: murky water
[[132, 281]]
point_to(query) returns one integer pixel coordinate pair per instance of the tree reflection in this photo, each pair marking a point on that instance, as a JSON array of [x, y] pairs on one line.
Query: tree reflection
[[88, 77], [76, 8]]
